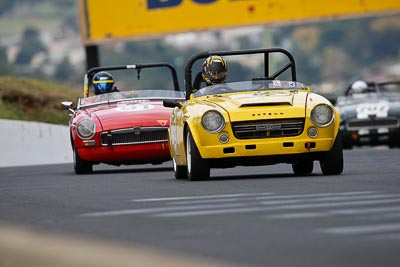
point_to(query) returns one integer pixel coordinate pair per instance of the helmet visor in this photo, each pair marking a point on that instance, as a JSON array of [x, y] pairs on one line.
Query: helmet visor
[[218, 75], [103, 86]]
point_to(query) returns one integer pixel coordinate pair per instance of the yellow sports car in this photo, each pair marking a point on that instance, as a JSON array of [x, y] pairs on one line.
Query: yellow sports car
[[266, 120]]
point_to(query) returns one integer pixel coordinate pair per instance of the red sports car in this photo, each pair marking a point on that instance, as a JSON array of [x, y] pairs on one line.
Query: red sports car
[[122, 127]]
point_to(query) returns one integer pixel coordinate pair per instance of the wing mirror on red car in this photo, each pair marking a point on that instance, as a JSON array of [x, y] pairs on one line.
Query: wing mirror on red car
[[68, 105]]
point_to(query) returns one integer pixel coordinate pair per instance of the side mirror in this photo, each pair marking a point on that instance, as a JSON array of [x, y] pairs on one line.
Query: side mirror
[[171, 103], [68, 105]]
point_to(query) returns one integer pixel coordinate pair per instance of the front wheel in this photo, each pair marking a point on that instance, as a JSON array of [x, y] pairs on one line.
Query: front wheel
[[394, 141], [197, 167], [179, 171], [303, 167], [332, 161], [81, 166]]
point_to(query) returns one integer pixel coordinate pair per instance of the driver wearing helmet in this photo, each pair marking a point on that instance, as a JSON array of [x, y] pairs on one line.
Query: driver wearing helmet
[[103, 82], [214, 70], [358, 87]]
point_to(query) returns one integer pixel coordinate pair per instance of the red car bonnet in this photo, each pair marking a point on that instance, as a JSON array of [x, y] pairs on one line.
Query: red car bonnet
[[131, 114]]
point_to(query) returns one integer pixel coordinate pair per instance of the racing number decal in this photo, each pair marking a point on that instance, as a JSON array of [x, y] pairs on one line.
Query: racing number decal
[[136, 107], [379, 109]]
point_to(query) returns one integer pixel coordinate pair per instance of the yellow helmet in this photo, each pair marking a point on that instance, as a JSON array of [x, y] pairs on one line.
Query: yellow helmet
[[214, 70]]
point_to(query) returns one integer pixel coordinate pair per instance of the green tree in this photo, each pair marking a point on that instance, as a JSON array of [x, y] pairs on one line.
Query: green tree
[[5, 67], [30, 45], [64, 70], [6, 5], [386, 32]]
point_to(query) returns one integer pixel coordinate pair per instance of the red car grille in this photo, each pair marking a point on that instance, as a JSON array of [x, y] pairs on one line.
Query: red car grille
[[373, 123], [268, 128], [137, 135]]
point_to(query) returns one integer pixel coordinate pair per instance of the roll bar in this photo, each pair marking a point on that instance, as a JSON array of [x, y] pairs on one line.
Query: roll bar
[[265, 51], [138, 67]]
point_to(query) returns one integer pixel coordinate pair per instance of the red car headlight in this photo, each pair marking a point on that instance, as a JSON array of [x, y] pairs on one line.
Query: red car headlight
[[86, 129]]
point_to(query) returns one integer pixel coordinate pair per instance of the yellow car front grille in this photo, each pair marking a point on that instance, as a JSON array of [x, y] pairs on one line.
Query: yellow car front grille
[[268, 128]]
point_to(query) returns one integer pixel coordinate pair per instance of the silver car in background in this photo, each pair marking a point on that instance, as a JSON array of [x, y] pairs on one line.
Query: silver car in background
[[370, 114]]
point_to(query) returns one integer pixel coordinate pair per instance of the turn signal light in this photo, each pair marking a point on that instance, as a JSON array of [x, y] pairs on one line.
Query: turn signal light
[[89, 143]]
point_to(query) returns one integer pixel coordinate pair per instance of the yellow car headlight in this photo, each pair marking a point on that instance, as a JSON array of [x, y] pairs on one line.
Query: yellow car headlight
[[213, 121], [322, 115], [86, 129]]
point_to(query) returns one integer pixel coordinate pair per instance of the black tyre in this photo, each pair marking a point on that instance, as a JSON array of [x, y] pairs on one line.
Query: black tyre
[[347, 145], [81, 166], [347, 141], [197, 167], [332, 161], [179, 171], [303, 167], [394, 141]]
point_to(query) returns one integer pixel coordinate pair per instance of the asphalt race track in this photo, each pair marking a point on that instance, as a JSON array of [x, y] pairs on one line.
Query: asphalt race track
[[259, 216]]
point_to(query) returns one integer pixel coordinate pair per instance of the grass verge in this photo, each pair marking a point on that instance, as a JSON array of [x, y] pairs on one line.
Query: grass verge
[[34, 100]]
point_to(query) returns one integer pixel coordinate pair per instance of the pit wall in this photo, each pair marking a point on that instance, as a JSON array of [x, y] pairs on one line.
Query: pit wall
[[24, 143]]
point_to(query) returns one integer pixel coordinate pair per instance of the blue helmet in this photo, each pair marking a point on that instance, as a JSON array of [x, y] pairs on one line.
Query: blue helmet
[[103, 82]]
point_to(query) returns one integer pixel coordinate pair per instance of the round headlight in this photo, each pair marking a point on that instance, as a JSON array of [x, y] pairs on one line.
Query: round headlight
[[86, 129], [322, 115], [213, 121]]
